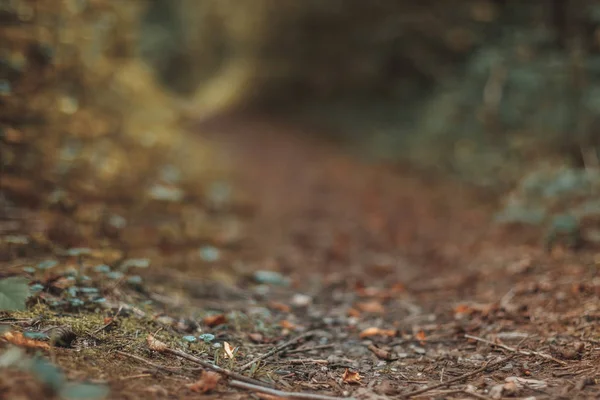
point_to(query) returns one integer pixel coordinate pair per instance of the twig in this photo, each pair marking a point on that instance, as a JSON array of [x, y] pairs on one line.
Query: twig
[[514, 350], [150, 363], [285, 395], [109, 323], [305, 361], [305, 349], [216, 368], [277, 349], [487, 365], [156, 345], [126, 378]]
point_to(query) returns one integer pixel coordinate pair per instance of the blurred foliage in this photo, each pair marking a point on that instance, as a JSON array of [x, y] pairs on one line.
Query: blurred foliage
[[87, 137], [480, 88]]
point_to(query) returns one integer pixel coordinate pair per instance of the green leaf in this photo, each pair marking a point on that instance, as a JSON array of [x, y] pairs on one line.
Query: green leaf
[[13, 293], [84, 391], [48, 373]]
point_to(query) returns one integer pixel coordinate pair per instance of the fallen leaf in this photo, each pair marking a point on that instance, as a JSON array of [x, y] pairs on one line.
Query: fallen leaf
[[421, 336], [371, 307], [279, 307], [351, 376], [18, 339], [256, 337], [265, 396], [285, 324], [381, 353], [228, 350], [353, 312], [215, 320], [207, 382], [463, 309], [369, 332], [155, 344]]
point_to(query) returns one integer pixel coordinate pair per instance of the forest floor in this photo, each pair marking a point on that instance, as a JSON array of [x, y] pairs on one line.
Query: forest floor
[[338, 277]]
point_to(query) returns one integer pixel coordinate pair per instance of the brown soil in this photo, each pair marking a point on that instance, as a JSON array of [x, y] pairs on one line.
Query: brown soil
[[411, 255]]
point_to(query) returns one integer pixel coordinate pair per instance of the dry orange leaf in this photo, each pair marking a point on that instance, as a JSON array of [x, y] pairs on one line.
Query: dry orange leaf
[[381, 353], [228, 350], [265, 396], [280, 307], [285, 324], [155, 344], [18, 339], [462, 309], [351, 376], [421, 336], [256, 337], [373, 331], [207, 382], [371, 307], [353, 312], [215, 320]]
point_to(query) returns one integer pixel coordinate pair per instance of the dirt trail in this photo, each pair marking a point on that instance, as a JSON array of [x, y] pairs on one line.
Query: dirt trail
[[361, 225], [396, 279], [316, 200]]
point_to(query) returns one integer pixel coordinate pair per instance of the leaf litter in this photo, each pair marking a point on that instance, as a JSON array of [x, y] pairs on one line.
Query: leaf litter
[[289, 316]]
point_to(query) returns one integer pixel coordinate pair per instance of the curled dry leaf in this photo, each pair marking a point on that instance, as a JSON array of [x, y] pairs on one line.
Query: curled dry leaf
[[215, 320], [371, 307], [18, 339], [373, 331], [381, 353], [353, 312], [274, 305], [228, 350], [351, 376], [207, 382], [155, 344], [264, 396], [256, 337], [285, 324]]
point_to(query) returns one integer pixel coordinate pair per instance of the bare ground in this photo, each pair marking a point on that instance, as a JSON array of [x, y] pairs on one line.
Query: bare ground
[[399, 286]]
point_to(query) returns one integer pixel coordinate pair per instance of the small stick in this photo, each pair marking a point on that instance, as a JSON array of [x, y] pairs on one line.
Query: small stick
[[512, 349], [285, 395], [305, 361], [304, 349], [126, 378], [150, 363], [216, 368], [277, 349], [157, 345], [109, 323], [487, 365]]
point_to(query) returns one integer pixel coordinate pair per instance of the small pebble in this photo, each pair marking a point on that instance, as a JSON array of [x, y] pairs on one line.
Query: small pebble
[[103, 268], [136, 263], [47, 264], [271, 278], [207, 337], [210, 253], [301, 300]]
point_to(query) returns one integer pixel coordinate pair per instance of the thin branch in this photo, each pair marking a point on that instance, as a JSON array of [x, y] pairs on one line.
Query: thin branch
[[277, 349], [514, 350], [283, 394], [494, 364], [216, 368], [305, 349], [150, 363]]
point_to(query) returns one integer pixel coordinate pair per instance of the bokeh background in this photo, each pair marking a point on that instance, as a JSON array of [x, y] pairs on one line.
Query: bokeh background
[[95, 95]]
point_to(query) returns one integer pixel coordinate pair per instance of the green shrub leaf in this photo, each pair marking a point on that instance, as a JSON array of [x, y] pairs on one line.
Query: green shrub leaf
[[13, 293]]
